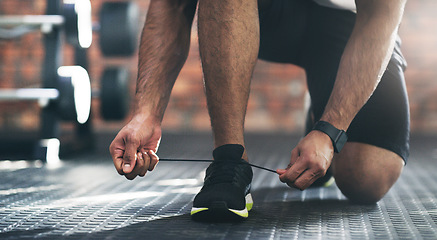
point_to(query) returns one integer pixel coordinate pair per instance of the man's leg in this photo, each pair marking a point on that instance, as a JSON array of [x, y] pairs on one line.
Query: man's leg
[[364, 173], [229, 43]]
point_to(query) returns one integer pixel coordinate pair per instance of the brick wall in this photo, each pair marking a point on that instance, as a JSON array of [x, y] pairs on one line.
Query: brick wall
[[278, 90], [419, 35]]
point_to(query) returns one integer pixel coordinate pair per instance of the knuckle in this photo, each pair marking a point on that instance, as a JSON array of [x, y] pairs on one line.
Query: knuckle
[[284, 179], [111, 147], [128, 156], [318, 166], [307, 161], [315, 164], [139, 163], [131, 137], [321, 174]]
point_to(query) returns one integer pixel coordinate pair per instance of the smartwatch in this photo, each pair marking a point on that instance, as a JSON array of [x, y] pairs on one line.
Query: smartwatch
[[338, 137]]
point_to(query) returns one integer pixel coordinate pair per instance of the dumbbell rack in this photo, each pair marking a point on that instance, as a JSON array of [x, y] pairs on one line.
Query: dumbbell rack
[[118, 26], [47, 147]]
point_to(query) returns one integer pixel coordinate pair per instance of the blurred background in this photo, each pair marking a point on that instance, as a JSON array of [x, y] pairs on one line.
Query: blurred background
[[83, 197], [278, 91]]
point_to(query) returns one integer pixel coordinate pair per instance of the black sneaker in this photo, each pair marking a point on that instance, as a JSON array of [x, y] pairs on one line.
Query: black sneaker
[[225, 195]]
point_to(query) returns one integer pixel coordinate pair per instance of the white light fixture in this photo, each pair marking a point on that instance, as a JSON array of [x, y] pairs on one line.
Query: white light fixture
[[84, 21], [82, 90]]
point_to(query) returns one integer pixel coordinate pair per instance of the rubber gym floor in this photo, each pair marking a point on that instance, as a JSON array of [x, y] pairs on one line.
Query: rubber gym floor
[[84, 198]]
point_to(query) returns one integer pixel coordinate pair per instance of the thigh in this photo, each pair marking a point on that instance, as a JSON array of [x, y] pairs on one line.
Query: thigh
[[282, 30], [328, 31], [264, 4]]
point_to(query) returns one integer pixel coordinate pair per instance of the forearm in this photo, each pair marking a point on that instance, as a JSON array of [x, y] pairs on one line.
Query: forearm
[[364, 60], [164, 46]]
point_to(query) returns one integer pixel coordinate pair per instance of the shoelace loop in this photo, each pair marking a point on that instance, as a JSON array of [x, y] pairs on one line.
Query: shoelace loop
[[224, 172]]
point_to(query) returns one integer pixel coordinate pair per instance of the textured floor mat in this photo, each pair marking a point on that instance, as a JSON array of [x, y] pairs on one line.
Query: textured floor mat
[[84, 198]]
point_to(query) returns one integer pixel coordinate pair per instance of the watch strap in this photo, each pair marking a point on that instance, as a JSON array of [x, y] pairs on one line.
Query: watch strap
[[338, 137]]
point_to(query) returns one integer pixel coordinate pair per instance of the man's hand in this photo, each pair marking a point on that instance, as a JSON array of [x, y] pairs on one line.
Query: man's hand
[[134, 148], [309, 161]]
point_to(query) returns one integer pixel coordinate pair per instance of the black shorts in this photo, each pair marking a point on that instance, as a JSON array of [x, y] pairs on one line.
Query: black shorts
[[303, 33]]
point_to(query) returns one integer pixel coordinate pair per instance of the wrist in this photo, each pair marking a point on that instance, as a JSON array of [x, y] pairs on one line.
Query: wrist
[[146, 118], [145, 111], [338, 137], [150, 105], [338, 121], [323, 137]]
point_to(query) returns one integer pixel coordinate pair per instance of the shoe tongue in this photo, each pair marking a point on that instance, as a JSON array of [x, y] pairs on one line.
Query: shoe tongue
[[228, 152]]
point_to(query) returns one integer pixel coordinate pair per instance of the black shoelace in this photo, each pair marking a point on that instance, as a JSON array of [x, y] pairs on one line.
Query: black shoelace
[[207, 160]]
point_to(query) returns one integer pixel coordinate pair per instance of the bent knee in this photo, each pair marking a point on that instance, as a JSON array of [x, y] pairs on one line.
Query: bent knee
[[360, 194], [365, 173]]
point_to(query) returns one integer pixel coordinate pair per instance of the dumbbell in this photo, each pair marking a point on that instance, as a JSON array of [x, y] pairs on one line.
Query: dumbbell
[[76, 19], [119, 28], [71, 97], [114, 93]]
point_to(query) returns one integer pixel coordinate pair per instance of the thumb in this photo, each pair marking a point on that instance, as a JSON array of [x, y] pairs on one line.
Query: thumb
[[280, 171], [129, 159], [128, 166]]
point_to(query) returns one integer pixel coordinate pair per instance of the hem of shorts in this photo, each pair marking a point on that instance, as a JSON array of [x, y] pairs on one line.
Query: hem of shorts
[[400, 151]]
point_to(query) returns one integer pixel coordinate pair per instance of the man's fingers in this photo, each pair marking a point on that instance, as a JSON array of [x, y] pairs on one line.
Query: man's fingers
[[118, 162], [305, 180], [130, 176], [127, 167], [117, 151], [302, 174], [290, 176], [146, 160], [129, 158], [294, 156], [140, 165], [143, 169], [154, 159], [292, 172]]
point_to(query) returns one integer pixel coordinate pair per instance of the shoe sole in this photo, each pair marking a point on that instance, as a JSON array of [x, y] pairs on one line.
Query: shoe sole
[[328, 183], [219, 212]]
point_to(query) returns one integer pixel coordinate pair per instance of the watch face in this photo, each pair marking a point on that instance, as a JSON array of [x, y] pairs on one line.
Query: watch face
[[342, 139]]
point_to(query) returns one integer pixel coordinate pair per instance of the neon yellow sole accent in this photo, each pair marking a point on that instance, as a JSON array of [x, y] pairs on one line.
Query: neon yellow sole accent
[[242, 213], [329, 182], [197, 210], [249, 202]]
